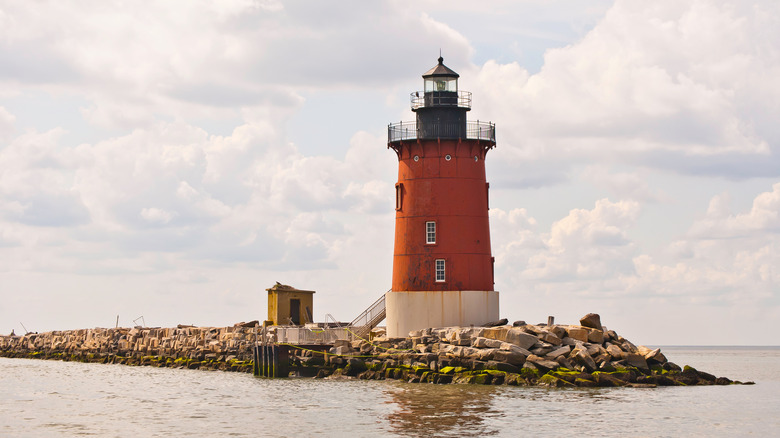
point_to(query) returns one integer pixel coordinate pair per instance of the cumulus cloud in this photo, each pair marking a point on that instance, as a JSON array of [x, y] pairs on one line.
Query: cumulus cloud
[[720, 223], [659, 85], [623, 185], [585, 247], [724, 258], [173, 188], [6, 123], [200, 60]]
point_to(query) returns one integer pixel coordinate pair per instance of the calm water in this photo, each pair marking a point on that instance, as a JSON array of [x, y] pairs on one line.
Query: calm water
[[50, 398]]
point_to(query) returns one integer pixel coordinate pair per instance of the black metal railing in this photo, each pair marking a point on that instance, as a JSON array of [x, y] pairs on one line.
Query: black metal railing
[[420, 99], [474, 131]]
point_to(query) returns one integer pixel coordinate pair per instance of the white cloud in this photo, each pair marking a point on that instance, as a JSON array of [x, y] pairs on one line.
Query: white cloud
[[172, 188], [719, 223], [624, 185], [6, 123], [157, 215], [663, 85], [726, 258], [586, 248]]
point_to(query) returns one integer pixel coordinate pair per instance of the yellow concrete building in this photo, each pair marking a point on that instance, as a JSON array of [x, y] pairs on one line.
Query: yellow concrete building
[[290, 306]]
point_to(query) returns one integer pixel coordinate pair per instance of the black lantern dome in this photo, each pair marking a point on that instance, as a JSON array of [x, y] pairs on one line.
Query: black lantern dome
[[441, 112]]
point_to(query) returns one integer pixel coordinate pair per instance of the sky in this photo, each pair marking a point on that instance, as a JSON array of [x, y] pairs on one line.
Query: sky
[[164, 163]]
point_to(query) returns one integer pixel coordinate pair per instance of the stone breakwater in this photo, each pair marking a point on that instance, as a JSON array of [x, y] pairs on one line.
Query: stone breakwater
[[224, 348], [583, 355]]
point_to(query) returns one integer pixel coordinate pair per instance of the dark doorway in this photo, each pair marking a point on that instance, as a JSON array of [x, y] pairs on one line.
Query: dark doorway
[[295, 311]]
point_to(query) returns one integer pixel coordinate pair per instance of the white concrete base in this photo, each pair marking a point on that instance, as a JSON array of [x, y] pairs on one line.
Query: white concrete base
[[407, 311]]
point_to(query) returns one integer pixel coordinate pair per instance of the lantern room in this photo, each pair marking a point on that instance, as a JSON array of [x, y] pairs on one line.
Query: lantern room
[[441, 78]]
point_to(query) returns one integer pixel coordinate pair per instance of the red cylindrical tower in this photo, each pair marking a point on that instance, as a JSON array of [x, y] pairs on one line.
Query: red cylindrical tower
[[442, 264]]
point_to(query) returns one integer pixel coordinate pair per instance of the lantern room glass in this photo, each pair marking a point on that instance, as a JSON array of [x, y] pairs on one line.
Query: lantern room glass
[[441, 84]]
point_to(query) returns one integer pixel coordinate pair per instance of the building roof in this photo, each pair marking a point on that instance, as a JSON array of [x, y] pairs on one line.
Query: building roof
[[440, 70], [279, 287]]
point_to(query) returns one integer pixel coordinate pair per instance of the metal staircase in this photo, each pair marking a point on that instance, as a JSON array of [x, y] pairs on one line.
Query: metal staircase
[[369, 318]]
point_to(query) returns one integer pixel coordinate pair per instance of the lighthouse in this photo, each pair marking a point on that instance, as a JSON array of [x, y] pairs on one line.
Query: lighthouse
[[442, 261]]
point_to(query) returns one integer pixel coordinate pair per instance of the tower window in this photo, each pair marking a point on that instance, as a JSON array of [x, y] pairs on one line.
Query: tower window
[[440, 270], [430, 232], [399, 193]]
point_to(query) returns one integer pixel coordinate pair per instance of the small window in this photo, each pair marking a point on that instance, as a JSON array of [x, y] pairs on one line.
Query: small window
[[430, 232], [398, 195], [440, 270]]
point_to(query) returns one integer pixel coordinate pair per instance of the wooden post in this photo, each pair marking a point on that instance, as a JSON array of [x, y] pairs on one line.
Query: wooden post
[[550, 321], [264, 371], [275, 357]]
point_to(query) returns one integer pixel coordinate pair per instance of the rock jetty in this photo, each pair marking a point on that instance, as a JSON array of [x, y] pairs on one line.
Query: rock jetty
[[225, 348], [561, 356]]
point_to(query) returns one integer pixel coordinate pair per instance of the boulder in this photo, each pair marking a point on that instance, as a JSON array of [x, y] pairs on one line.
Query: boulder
[[470, 352], [654, 355], [707, 376], [445, 348], [502, 321], [628, 346], [671, 366], [542, 364], [564, 362], [518, 323], [554, 382], [614, 351], [520, 338], [506, 346], [496, 333], [422, 348], [569, 341], [592, 320], [502, 366], [542, 351], [596, 336], [578, 333], [486, 353], [582, 357], [561, 351], [481, 342], [608, 380], [557, 331], [550, 338], [607, 367], [636, 360], [601, 359], [509, 357], [341, 343], [594, 349]]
